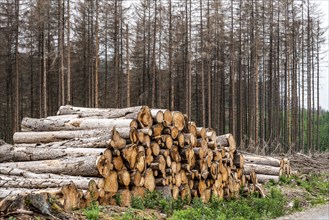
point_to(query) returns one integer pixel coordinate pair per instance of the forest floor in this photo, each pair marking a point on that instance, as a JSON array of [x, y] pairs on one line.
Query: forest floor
[[306, 196]]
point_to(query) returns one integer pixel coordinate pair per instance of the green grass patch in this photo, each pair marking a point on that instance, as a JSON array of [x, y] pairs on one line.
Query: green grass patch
[[317, 185], [251, 207], [92, 212]]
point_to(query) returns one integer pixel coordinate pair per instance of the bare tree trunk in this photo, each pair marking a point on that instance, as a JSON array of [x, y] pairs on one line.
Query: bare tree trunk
[[97, 57], [69, 92], [17, 75], [128, 66]]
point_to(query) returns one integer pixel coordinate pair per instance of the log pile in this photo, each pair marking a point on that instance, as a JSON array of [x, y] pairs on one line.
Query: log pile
[[266, 168], [83, 155]]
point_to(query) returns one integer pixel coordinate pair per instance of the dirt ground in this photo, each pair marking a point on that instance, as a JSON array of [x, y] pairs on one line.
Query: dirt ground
[[305, 164]]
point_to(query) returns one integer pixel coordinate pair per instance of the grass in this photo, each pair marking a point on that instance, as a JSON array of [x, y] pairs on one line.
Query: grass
[[92, 212], [251, 207], [243, 208], [316, 185], [155, 200]]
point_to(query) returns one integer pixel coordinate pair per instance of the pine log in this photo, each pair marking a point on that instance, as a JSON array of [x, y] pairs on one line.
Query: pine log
[[262, 178], [227, 140], [83, 136], [201, 132], [157, 115], [117, 142], [38, 183], [124, 178], [92, 193], [211, 134], [111, 183], [178, 120], [238, 160], [130, 154], [138, 191], [262, 169], [8, 192], [263, 160], [157, 130], [43, 124], [71, 196], [155, 149], [192, 128], [125, 197], [92, 142], [32, 153], [76, 166], [102, 112], [149, 180]]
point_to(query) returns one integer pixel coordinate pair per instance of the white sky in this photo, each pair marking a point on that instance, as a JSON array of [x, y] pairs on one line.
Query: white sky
[[324, 66]]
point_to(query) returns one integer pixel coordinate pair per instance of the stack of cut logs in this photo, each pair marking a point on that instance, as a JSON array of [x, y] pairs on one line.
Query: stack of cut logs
[[265, 167], [86, 154]]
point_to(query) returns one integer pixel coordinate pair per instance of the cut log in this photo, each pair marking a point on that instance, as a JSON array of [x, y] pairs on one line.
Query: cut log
[[238, 160], [255, 159], [92, 193], [33, 124], [178, 120], [89, 137], [262, 169], [155, 149], [125, 197], [76, 166], [117, 142], [130, 154], [99, 112], [71, 196], [41, 183], [137, 179], [8, 192], [138, 191], [201, 132], [227, 140], [265, 178], [211, 134], [157, 130], [149, 180], [157, 115], [124, 178], [26, 174], [111, 183], [32, 153]]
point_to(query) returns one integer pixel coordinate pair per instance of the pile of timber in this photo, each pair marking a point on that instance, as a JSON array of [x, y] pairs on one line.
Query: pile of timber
[[266, 168], [90, 154]]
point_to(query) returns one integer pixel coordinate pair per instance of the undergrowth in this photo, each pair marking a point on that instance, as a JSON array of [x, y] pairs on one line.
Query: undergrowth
[[243, 208], [92, 212], [251, 207], [316, 185]]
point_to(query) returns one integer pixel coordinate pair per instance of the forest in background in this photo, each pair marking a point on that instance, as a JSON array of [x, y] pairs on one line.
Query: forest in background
[[248, 67]]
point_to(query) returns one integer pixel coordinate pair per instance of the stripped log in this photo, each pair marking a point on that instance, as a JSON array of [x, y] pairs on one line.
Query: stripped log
[[255, 159], [262, 169], [265, 178], [76, 166], [84, 136], [40, 183], [32, 153], [44, 124]]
